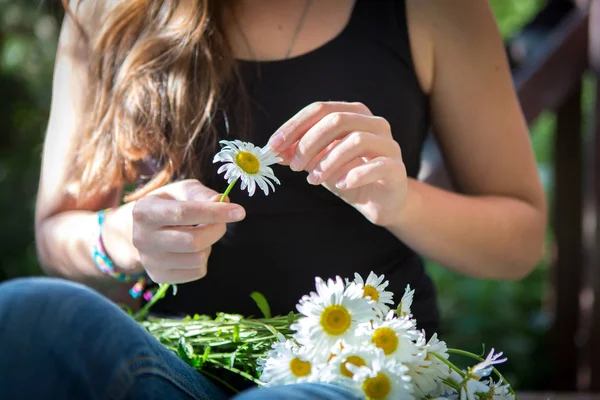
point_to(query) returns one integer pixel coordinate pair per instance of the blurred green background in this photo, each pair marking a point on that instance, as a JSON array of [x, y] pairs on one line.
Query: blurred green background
[[506, 315]]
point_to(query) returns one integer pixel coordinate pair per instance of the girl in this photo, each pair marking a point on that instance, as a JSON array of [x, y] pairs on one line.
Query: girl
[[345, 91]]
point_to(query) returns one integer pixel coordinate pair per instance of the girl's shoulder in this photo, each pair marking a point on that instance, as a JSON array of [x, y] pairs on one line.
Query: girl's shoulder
[[88, 15], [442, 32]]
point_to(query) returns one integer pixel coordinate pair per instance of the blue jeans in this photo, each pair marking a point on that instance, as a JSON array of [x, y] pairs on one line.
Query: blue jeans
[[61, 340]]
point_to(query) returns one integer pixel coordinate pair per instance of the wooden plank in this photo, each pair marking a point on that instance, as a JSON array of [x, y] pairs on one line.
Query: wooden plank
[[566, 273], [545, 83]]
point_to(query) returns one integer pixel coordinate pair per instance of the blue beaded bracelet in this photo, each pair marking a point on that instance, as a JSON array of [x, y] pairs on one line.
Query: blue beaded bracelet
[[106, 266]]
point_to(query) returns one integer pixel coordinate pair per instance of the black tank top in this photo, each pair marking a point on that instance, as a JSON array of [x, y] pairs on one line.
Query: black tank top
[[302, 231]]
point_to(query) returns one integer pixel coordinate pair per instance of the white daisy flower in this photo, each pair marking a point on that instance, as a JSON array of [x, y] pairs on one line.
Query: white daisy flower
[[486, 367], [331, 315], [384, 379], [395, 336], [429, 371], [471, 387], [288, 363], [498, 391], [249, 163], [472, 384], [406, 303], [374, 288], [359, 356]]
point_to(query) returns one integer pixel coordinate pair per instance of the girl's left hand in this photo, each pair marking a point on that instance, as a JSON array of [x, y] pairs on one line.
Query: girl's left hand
[[351, 152]]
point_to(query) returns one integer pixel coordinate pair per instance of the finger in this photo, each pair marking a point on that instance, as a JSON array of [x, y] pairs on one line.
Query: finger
[[186, 190], [175, 261], [159, 212], [296, 126], [334, 126], [381, 168], [287, 155], [315, 161], [177, 239], [355, 145], [342, 172], [175, 276]]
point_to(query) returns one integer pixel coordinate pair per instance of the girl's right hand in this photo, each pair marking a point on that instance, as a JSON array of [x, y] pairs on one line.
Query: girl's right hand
[[174, 228]]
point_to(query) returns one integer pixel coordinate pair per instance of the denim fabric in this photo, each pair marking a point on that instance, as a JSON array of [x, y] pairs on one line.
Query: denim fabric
[[62, 340]]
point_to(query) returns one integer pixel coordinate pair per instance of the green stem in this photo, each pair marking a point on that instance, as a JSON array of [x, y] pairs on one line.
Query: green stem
[[452, 383], [221, 381], [479, 358], [231, 185], [160, 293], [236, 371], [448, 363]]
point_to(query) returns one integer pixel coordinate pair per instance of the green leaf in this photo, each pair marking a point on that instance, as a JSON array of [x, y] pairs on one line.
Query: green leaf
[[206, 354], [262, 304], [186, 352], [232, 359], [291, 317], [236, 333]]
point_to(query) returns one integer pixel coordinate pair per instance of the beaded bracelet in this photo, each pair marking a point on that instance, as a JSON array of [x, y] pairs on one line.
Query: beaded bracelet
[[106, 266]]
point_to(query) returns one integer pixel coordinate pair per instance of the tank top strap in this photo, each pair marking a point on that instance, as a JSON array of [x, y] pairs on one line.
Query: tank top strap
[[388, 21]]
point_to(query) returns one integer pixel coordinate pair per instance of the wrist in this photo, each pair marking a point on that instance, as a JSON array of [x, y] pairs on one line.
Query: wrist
[[117, 241], [407, 209]]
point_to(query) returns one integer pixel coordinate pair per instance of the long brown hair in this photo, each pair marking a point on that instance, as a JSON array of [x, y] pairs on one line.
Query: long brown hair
[[156, 72]]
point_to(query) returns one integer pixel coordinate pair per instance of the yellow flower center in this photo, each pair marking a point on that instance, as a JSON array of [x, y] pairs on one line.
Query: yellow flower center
[[355, 360], [299, 368], [385, 339], [370, 291], [247, 162], [335, 320], [377, 388]]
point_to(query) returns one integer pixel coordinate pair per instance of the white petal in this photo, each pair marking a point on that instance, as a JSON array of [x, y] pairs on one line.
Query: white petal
[[251, 186]]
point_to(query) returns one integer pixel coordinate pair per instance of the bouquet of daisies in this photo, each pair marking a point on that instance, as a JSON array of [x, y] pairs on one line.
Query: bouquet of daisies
[[344, 333], [347, 335]]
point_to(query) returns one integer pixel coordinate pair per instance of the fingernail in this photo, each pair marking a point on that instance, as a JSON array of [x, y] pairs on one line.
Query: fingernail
[[276, 142], [313, 178], [341, 184], [236, 214], [295, 164]]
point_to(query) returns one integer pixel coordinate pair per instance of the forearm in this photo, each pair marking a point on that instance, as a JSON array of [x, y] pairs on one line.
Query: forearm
[[64, 250], [491, 237]]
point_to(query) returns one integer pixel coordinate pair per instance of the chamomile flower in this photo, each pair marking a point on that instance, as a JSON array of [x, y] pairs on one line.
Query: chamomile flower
[[472, 384], [288, 363], [429, 371], [331, 315], [358, 356], [485, 367], [384, 379], [374, 287], [471, 387], [249, 163], [395, 336], [406, 303], [498, 391]]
